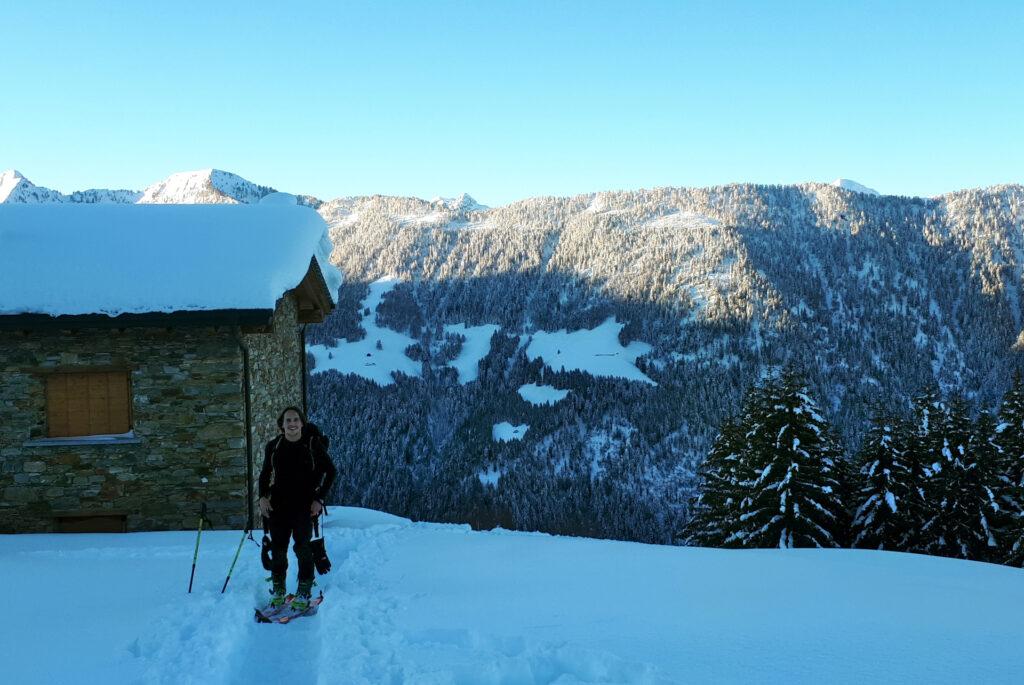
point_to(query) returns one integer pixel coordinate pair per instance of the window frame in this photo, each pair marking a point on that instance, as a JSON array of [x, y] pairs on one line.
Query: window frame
[[48, 376]]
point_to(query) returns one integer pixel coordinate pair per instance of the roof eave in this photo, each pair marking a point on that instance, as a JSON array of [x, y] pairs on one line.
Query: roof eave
[[315, 301], [180, 319]]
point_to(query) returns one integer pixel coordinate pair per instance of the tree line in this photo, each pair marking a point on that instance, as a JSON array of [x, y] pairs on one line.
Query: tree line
[[933, 480]]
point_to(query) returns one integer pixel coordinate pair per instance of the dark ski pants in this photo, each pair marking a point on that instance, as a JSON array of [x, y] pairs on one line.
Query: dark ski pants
[[291, 524]]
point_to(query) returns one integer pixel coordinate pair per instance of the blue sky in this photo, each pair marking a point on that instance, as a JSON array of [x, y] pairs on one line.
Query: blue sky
[[512, 100]]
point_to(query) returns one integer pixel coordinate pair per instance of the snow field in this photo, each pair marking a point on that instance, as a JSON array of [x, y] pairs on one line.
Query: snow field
[[490, 477], [476, 347], [429, 603], [362, 356], [540, 395], [505, 431], [596, 351]]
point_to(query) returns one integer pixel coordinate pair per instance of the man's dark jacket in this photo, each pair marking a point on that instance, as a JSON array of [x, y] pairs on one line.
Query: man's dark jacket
[[296, 473]]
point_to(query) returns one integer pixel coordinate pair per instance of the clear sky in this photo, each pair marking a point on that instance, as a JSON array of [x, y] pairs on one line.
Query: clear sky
[[507, 100]]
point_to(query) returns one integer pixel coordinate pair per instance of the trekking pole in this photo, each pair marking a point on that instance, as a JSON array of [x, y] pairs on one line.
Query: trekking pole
[[235, 560], [199, 534]]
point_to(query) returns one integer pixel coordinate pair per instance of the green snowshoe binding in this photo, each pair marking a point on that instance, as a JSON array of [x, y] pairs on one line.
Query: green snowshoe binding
[[278, 593], [303, 595]]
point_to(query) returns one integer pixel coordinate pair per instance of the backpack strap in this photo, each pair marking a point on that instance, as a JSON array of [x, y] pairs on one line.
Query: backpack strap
[[273, 459], [309, 450]]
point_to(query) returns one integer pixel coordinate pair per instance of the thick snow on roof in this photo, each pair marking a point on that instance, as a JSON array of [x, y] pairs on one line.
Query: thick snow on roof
[[115, 259]]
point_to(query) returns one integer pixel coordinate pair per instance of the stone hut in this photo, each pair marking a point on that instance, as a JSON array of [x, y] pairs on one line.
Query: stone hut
[[145, 352]]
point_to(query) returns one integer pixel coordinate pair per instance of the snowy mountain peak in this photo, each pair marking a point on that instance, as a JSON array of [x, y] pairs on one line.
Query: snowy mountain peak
[[853, 186], [462, 203], [16, 188], [205, 186], [9, 180]]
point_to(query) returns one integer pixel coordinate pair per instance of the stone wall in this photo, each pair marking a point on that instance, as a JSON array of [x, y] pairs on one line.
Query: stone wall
[[275, 376], [188, 419]]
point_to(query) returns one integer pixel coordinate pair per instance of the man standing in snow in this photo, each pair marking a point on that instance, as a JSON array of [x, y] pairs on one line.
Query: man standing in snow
[[297, 472]]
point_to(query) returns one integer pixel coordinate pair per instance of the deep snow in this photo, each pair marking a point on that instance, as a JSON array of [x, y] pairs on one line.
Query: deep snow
[[428, 603], [115, 259]]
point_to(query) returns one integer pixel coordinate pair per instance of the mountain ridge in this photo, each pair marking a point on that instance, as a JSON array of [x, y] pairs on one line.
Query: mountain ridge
[[218, 186]]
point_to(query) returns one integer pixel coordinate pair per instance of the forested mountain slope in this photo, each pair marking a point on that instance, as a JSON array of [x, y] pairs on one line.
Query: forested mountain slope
[[872, 297]]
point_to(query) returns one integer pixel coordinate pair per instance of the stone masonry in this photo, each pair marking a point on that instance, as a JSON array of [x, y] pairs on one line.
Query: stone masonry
[[275, 376], [188, 416]]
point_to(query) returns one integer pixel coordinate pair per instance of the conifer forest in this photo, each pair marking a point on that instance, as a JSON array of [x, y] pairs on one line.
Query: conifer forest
[[829, 368]]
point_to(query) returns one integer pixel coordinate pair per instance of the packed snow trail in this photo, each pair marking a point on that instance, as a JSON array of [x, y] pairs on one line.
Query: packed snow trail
[[440, 604]]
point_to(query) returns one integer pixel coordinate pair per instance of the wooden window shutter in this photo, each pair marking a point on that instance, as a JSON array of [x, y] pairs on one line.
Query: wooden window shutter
[[88, 403]]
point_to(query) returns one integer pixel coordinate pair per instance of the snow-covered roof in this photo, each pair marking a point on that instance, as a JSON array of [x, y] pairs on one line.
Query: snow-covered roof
[[71, 259]]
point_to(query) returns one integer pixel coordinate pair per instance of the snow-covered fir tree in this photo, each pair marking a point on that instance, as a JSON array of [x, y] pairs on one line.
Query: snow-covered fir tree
[[960, 485], [1014, 540], [882, 519], [929, 408], [791, 497], [992, 511], [1010, 439], [716, 507]]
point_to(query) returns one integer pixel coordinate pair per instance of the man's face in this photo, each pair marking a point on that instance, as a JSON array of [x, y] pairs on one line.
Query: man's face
[[292, 425]]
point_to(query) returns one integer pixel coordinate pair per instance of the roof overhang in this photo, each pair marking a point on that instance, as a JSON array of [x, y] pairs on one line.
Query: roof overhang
[[183, 319], [312, 296]]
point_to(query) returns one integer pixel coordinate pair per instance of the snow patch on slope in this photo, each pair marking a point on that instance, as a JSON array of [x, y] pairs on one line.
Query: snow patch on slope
[[506, 432], [476, 346], [490, 477], [596, 351], [541, 395], [377, 356]]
